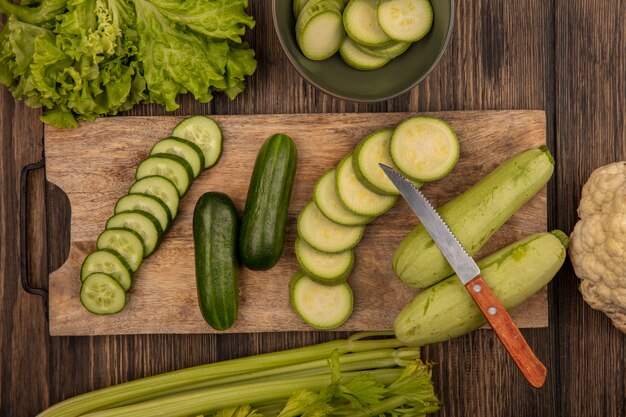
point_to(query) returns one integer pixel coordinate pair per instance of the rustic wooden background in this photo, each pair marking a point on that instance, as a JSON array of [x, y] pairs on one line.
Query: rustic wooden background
[[565, 56]]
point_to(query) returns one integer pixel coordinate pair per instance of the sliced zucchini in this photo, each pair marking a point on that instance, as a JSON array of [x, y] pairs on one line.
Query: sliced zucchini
[[160, 187], [146, 203], [361, 23], [320, 306], [325, 268], [187, 150], [204, 132], [358, 59], [145, 224], [102, 294], [172, 167], [356, 196], [424, 148], [325, 235], [319, 29], [405, 20], [388, 50], [125, 242], [298, 5], [108, 262], [328, 202]]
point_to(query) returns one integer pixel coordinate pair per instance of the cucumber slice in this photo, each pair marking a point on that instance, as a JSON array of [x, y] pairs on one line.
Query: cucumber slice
[[145, 224], [371, 151], [328, 202], [172, 167], [325, 268], [187, 150], [358, 59], [326, 235], [125, 242], [424, 148], [319, 30], [204, 132], [108, 262], [161, 188], [146, 203], [361, 23], [102, 294], [320, 306], [390, 50], [357, 197], [405, 20]]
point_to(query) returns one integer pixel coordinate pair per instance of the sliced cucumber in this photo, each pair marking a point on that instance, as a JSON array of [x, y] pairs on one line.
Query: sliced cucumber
[[361, 23], [146, 203], [320, 306], [160, 187], [108, 262], [328, 202], [325, 235], [389, 50], [325, 268], [358, 59], [102, 294], [424, 148], [187, 150], [204, 132], [145, 224], [319, 29], [172, 167], [356, 196], [405, 20], [125, 242], [371, 151]]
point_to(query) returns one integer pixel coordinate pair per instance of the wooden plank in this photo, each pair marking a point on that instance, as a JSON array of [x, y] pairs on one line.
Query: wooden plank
[[163, 299]]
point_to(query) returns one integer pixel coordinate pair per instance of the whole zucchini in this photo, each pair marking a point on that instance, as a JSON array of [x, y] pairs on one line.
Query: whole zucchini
[[265, 215], [514, 273], [474, 216], [215, 231]]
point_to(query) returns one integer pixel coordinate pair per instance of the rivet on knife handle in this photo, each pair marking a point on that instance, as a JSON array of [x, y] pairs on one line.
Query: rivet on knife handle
[[507, 331]]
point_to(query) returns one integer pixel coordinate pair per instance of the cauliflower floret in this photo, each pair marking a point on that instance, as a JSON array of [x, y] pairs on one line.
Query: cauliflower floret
[[598, 242]]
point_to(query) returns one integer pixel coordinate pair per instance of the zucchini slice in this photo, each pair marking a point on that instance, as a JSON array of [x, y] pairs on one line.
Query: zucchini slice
[[204, 132], [160, 187], [424, 148], [361, 23], [319, 29], [146, 203], [108, 262], [320, 306], [102, 294], [325, 268], [359, 59], [172, 167], [125, 242], [145, 224], [371, 151], [328, 202], [187, 150], [389, 50], [357, 197], [326, 235], [405, 20]]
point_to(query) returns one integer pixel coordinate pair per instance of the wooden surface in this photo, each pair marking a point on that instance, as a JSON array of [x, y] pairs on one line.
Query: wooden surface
[[567, 57], [163, 298]]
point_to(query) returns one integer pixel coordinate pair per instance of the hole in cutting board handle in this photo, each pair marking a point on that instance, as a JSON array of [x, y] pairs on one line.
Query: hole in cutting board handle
[[58, 220]]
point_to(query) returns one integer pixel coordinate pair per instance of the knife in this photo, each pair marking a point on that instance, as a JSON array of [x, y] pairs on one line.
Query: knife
[[469, 274]]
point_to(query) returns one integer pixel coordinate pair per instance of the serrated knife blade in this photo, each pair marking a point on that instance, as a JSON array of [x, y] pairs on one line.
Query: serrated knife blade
[[469, 274]]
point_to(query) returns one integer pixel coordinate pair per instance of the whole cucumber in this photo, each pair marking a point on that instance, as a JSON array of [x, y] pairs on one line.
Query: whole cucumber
[[215, 232], [265, 215], [514, 273]]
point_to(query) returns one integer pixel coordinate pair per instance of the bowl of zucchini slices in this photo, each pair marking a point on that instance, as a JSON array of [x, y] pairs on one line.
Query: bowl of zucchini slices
[[363, 50]]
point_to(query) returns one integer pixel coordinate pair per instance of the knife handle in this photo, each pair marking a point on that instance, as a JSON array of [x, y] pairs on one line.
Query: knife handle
[[507, 331]]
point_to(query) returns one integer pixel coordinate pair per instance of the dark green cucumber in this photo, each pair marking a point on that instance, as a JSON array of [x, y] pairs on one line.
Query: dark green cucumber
[[265, 215], [215, 230]]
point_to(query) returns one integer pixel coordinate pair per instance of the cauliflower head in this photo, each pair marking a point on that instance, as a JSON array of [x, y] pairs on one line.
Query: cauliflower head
[[598, 243]]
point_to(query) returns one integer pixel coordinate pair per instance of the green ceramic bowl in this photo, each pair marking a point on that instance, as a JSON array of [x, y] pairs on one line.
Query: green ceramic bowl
[[336, 78]]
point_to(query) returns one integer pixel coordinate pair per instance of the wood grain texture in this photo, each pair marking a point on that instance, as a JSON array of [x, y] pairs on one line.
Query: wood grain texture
[[163, 298]]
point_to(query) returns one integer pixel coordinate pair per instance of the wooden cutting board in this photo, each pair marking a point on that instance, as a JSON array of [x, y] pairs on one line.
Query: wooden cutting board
[[95, 163]]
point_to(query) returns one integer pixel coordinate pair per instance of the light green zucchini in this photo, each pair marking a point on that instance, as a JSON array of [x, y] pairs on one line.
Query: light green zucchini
[[514, 273]]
